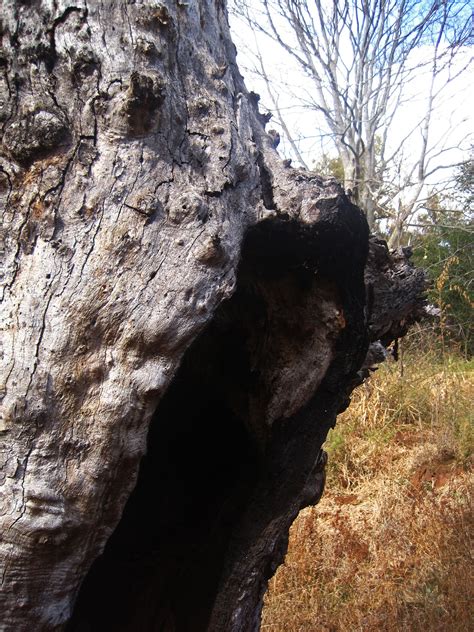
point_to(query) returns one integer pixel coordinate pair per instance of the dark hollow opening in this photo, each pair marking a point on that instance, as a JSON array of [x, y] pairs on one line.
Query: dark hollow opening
[[161, 567]]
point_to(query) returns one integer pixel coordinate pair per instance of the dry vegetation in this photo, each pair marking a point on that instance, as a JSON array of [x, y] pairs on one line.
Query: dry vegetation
[[388, 547]]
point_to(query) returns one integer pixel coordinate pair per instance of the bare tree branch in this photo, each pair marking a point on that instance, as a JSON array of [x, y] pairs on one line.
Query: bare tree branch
[[362, 61]]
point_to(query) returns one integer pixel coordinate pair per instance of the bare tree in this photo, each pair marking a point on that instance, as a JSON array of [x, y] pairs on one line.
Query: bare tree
[[358, 59]]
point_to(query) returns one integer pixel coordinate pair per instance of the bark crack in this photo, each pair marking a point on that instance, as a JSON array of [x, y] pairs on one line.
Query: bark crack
[[266, 184], [41, 333]]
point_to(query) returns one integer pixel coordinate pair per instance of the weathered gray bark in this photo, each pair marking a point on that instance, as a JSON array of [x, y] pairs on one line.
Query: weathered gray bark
[[148, 224]]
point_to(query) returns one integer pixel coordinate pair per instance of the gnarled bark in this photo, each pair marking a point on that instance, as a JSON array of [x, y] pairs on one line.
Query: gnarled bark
[[162, 269]]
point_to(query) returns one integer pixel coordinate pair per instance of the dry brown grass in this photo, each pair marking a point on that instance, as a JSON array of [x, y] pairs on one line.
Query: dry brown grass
[[389, 546]]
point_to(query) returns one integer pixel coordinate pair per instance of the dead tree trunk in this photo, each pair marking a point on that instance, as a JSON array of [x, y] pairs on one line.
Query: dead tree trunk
[[168, 287]]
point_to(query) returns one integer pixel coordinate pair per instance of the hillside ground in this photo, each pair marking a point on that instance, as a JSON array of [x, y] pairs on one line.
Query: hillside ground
[[389, 547]]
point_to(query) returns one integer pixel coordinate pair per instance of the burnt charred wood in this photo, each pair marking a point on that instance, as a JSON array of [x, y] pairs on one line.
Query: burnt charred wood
[[396, 292]]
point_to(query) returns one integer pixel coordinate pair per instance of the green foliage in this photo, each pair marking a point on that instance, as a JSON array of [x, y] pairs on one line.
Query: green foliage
[[329, 167], [465, 183], [445, 249]]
